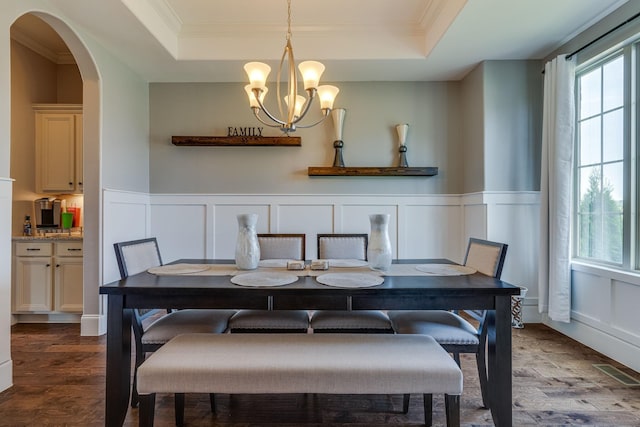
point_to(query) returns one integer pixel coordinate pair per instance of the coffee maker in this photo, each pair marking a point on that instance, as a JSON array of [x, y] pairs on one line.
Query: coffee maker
[[48, 212]]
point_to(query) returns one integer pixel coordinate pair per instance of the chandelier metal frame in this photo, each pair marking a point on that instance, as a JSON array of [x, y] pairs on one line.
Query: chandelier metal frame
[[296, 105]]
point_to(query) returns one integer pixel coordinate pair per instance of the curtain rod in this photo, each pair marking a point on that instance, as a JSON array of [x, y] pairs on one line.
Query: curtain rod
[[602, 36]]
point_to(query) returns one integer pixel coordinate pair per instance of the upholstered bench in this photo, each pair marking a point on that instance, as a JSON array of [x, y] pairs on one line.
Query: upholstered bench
[[300, 363]]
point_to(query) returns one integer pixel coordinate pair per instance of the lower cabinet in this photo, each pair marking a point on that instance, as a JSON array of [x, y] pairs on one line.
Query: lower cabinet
[[48, 277]]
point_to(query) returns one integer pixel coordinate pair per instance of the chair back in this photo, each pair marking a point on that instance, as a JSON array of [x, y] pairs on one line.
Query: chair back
[[485, 256], [342, 246], [136, 256], [282, 246]]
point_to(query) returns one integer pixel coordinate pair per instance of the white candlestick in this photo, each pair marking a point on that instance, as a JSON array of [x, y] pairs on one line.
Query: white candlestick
[[402, 132]]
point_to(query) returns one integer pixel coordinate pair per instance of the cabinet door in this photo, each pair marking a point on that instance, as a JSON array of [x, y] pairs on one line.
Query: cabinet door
[[55, 152], [33, 284], [68, 284]]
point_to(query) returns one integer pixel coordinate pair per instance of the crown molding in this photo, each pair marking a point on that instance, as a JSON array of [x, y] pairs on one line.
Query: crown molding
[[60, 58]]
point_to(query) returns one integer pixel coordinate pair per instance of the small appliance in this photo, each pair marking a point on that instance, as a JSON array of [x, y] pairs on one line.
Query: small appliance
[[48, 212]]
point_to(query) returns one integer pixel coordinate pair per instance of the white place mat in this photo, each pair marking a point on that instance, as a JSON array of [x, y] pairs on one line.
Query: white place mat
[[445, 269], [263, 279], [273, 263], [350, 280], [347, 263], [175, 269]]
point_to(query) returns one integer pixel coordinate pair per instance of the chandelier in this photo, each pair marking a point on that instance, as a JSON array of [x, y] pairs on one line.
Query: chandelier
[[292, 107]]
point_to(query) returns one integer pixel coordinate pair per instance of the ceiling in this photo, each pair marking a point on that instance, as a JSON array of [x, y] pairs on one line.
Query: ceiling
[[357, 40]]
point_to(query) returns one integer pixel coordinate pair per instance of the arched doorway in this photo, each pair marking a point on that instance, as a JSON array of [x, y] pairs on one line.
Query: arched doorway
[[90, 321]]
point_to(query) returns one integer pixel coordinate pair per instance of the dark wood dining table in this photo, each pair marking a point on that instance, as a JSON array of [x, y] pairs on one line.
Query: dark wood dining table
[[401, 292]]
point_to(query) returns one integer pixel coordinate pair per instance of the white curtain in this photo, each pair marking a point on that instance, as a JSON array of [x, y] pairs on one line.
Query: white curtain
[[558, 121]]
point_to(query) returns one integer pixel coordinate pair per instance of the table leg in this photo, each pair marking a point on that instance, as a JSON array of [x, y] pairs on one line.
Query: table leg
[[499, 361], [118, 375]]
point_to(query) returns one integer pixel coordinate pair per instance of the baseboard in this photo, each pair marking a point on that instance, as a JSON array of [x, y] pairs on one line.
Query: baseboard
[[46, 318], [6, 375], [530, 312], [93, 325], [609, 345]]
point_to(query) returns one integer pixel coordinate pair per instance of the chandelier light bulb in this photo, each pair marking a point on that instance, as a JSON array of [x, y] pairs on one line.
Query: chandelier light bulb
[[253, 102], [327, 94], [300, 100], [257, 73], [311, 72]]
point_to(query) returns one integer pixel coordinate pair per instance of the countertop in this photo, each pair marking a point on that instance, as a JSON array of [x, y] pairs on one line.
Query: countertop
[[49, 238]]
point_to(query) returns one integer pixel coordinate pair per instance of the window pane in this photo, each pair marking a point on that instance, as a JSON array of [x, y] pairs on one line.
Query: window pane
[[612, 238], [612, 187], [589, 189], [590, 94], [612, 128], [590, 141], [589, 245], [613, 84]]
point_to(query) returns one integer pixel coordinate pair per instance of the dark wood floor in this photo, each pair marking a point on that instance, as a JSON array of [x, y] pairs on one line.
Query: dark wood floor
[[59, 381]]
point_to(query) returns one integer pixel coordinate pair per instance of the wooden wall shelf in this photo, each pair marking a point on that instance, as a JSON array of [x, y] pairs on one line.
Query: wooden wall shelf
[[237, 141], [372, 171]]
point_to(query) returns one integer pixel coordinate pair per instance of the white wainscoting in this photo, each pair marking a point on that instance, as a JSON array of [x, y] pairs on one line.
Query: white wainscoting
[[604, 313], [421, 226], [204, 226]]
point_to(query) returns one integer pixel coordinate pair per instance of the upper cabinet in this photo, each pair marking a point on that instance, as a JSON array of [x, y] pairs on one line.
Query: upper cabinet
[[58, 148]]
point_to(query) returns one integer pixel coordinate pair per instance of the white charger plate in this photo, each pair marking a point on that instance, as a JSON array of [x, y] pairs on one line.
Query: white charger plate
[[350, 280], [263, 279], [445, 269], [178, 269]]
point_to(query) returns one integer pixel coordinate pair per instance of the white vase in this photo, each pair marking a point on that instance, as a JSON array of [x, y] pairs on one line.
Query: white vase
[[379, 248], [247, 245]]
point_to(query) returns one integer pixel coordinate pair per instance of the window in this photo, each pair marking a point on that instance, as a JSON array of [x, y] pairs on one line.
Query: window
[[602, 161]]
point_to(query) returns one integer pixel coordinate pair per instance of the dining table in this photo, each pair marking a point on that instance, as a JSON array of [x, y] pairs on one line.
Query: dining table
[[410, 284]]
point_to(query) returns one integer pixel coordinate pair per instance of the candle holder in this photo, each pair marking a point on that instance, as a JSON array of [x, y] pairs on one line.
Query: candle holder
[[337, 115], [402, 130]]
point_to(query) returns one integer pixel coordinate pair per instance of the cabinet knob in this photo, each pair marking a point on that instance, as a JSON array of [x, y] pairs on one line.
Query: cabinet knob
[[57, 265], [48, 265], [80, 183], [71, 184]]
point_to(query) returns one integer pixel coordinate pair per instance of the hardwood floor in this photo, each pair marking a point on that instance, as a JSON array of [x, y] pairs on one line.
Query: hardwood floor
[[59, 381]]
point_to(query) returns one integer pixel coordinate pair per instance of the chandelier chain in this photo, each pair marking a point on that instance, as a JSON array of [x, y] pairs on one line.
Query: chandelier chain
[[288, 20]]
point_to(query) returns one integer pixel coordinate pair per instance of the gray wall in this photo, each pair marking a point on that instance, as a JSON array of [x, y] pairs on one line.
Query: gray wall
[[472, 89], [373, 109], [512, 125]]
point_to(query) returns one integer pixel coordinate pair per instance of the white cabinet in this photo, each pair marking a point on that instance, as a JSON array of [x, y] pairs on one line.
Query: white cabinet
[[58, 148], [48, 277]]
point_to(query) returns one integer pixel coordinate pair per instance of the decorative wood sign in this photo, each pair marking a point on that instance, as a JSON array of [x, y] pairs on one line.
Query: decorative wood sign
[[238, 137]]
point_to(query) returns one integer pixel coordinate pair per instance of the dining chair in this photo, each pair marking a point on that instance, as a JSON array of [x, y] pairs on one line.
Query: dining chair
[[347, 246], [274, 247], [154, 327], [449, 328]]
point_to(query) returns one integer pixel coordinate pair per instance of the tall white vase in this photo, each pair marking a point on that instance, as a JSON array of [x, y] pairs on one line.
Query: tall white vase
[[247, 245], [379, 248]]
